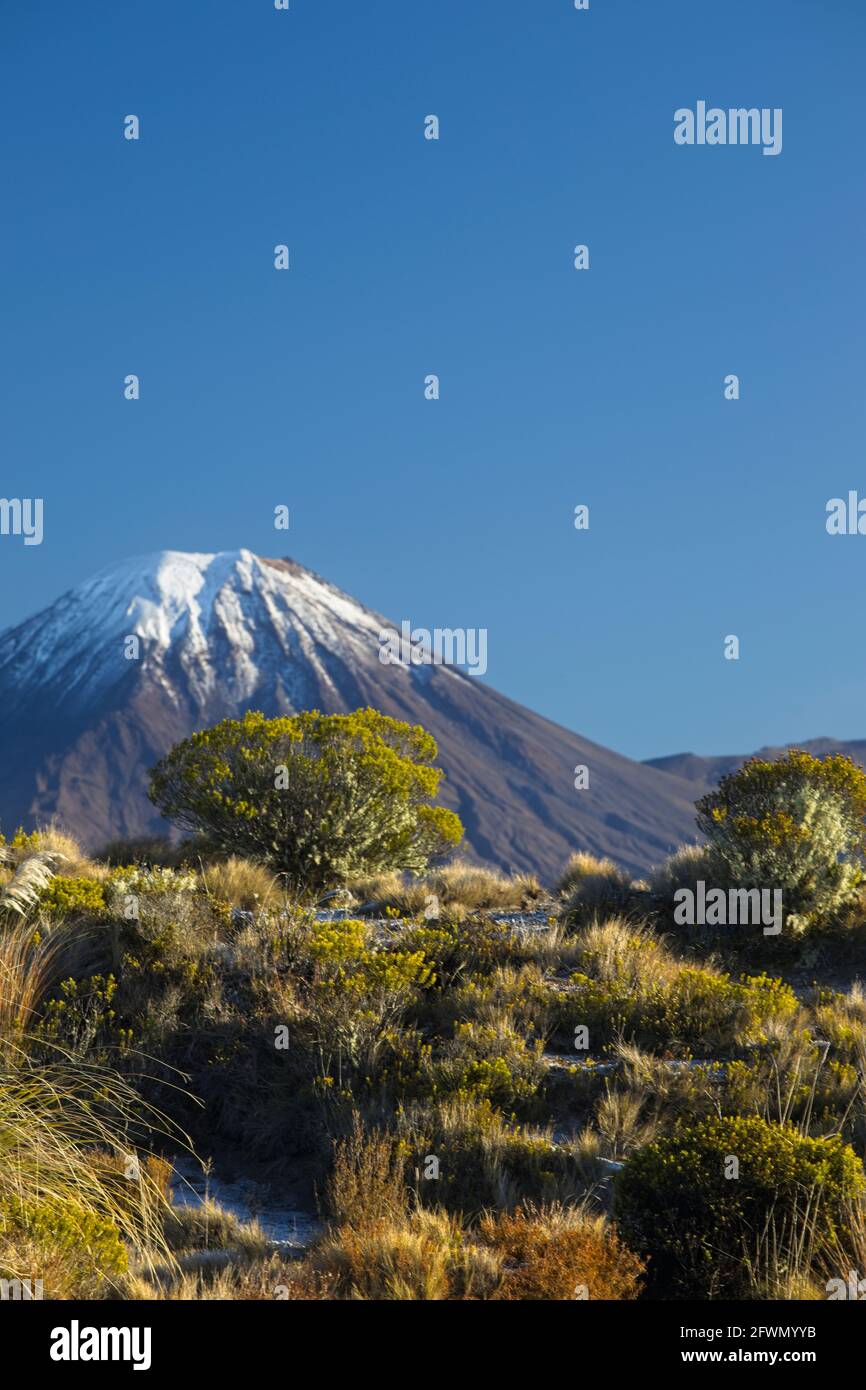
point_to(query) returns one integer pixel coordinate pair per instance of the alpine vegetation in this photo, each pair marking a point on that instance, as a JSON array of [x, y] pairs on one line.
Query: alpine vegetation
[[796, 822], [462, 1084]]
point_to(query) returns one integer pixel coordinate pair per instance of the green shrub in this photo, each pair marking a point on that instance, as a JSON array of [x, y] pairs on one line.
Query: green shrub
[[81, 1015], [795, 824], [631, 986], [80, 1250], [520, 993], [357, 991], [72, 895], [460, 948], [345, 961], [489, 1061], [696, 1006], [321, 798], [144, 980], [708, 1233]]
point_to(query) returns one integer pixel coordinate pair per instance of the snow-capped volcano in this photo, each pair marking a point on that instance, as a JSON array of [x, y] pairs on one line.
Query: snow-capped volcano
[[226, 624], [95, 688]]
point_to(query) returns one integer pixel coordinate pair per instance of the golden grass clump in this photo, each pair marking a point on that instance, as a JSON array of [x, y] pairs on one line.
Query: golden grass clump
[[682, 869], [60, 1116], [366, 1182], [421, 1256], [591, 888], [560, 1253], [458, 885], [242, 883]]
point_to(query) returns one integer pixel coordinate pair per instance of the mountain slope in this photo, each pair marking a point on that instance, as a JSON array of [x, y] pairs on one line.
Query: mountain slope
[[83, 717]]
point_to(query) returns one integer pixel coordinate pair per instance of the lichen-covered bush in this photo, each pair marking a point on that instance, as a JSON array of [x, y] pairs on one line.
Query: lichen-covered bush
[[795, 824], [720, 1204]]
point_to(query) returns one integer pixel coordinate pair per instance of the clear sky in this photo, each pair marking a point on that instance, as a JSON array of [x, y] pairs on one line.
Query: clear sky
[[409, 257]]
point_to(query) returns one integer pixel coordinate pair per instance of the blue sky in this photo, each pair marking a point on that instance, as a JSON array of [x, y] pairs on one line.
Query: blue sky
[[454, 257]]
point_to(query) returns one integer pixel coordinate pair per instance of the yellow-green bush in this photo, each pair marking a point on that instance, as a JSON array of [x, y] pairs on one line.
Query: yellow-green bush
[[722, 1203], [630, 986], [355, 993], [489, 1061], [460, 948], [65, 896], [83, 1249], [520, 992], [81, 1015], [344, 960], [321, 798]]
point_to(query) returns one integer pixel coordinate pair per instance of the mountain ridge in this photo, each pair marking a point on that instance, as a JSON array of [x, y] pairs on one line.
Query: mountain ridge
[[703, 772]]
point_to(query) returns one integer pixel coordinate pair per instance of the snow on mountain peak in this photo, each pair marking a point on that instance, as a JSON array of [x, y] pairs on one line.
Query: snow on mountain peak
[[229, 621]]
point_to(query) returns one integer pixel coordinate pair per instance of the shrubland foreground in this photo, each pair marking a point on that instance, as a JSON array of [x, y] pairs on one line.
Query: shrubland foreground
[[484, 1089]]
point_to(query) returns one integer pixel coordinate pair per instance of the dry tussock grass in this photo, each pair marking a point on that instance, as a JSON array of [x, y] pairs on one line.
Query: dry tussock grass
[[242, 883], [458, 885]]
